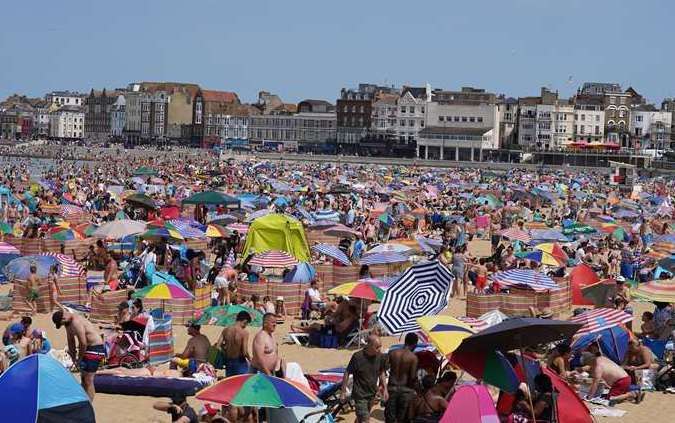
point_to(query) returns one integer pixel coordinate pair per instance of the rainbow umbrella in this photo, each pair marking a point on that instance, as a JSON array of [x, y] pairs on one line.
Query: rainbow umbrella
[[554, 250], [363, 290], [658, 290], [541, 257], [258, 390], [86, 228], [64, 234], [490, 366], [445, 332], [164, 232], [164, 291]]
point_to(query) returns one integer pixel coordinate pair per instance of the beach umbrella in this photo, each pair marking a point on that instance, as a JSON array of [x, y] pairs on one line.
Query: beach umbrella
[[613, 342], [118, 229], [141, 200], [303, 272], [515, 234], [8, 249], [548, 235], [274, 259], [362, 290], [342, 231], [258, 390], [383, 258], [19, 268], [70, 212], [163, 277], [257, 214], [390, 248], [222, 219], [445, 332], [527, 278], [485, 320], [470, 404], [668, 264], [422, 290], [520, 332], [187, 228], [581, 276], [600, 319], [329, 215], [541, 257], [145, 171], [161, 233], [217, 231], [164, 291], [212, 198], [321, 224], [242, 228], [659, 290], [489, 366], [226, 315], [578, 228], [39, 389], [429, 245], [554, 250], [7, 253], [333, 252], [64, 234]]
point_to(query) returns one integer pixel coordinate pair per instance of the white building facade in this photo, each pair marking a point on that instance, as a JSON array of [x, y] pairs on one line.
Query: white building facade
[[67, 123], [411, 113], [650, 129], [65, 98]]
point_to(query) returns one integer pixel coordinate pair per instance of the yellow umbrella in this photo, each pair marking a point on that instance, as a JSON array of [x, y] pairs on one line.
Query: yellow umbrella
[[445, 332]]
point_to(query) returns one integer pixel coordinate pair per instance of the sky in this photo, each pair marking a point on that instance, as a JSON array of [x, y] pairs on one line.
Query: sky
[[302, 49]]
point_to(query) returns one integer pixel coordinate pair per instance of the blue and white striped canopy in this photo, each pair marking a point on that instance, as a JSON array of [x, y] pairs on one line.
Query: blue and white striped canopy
[[186, 230], [525, 278], [333, 252], [422, 290], [383, 258]]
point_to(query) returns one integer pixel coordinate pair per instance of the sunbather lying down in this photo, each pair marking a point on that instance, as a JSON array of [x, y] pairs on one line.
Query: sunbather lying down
[[150, 371]]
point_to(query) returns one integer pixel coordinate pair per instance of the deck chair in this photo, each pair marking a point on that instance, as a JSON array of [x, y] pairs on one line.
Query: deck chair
[[298, 338]]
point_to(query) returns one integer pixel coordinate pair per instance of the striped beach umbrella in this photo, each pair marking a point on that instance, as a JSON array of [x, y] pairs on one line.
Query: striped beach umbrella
[[554, 250], [186, 229], [515, 235], [519, 278], [6, 248], [341, 230], [390, 248], [70, 212], [658, 290], [383, 258], [331, 215], [242, 228], [600, 319], [258, 390], [64, 234], [422, 290], [68, 266], [217, 231], [164, 291], [118, 229], [333, 252], [274, 259]]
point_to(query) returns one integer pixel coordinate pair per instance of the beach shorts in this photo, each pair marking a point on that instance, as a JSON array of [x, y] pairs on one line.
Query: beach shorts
[[220, 282], [92, 358], [236, 366], [32, 295], [362, 407], [620, 387], [481, 282], [396, 408]]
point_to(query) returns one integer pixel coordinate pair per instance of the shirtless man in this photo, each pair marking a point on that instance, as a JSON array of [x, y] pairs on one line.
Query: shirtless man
[[402, 380], [233, 343], [265, 350], [90, 350], [604, 369], [111, 272], [196, 351]]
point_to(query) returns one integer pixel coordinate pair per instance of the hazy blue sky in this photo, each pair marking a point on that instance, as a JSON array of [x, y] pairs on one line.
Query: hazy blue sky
[[311, 48]]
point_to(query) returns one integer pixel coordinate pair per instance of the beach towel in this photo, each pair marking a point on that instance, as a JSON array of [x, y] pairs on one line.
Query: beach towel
[[160, 340]]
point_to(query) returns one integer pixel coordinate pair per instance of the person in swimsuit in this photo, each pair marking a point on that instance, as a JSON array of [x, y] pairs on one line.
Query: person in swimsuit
[[265, 350], [196, 351], [233, 343], [54, 290], [33, 286], [402, 380], [432, 402], [90, 350]]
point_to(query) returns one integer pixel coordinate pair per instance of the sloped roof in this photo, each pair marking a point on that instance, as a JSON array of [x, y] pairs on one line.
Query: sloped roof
[[220, 96]]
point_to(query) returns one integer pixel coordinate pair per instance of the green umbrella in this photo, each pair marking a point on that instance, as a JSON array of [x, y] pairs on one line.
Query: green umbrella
[[145, 171], [142, 200], [6, 228], [227, 315], [212, 197]]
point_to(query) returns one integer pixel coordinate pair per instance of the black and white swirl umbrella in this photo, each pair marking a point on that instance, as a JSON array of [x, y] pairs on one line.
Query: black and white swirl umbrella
[[422, 290]]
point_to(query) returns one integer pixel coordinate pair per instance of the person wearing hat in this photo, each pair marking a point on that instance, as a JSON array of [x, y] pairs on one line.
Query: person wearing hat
[[89, 341], [196, 351]]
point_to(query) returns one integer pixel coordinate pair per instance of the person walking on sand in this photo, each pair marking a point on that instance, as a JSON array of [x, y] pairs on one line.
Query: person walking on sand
[[367, 367], [33, 289], [233, 343], [85, 346], [54, 290], [402, 380]]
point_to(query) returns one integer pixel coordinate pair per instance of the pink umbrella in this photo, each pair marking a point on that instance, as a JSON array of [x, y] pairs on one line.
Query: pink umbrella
[[471, 404], [274, 259]]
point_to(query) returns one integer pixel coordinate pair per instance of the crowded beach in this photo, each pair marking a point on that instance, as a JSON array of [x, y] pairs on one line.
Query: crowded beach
[[175, 286]]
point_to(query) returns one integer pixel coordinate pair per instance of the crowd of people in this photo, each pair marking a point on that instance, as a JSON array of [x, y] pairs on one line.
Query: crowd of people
[[447, 211]]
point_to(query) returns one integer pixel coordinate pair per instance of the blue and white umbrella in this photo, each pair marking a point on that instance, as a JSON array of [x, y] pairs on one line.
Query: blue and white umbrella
[[326, 215], [548, 235], [333, 252], [186, 230], [529, 278], [303, 272], [429, 245], [259, 213], [422, 290], [383, 258]]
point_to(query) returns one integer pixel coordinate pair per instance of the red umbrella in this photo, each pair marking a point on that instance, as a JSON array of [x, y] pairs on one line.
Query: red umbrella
[[580, 277]]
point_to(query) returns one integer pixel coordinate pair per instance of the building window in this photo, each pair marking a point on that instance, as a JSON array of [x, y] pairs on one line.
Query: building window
[[472, 119], [440, 119], [583, 129], [456, 118], [463, 118], [479, 119], [411, 122], [412, 109], [403, 109]]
